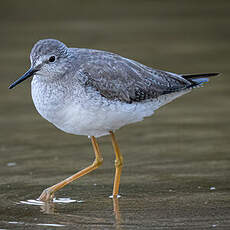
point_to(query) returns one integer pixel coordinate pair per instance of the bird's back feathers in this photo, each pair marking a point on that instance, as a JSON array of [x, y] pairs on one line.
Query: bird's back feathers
[[116, 77]]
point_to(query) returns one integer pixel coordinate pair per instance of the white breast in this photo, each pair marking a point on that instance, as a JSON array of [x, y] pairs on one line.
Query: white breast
[[77, 111]]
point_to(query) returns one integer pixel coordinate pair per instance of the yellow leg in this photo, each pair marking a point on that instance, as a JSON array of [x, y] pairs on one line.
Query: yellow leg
[[118, 165], [48, 193]]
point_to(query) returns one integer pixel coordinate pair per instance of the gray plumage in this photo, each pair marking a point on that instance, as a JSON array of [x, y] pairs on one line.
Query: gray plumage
[[116, 77], [93, 93], [113, 76]]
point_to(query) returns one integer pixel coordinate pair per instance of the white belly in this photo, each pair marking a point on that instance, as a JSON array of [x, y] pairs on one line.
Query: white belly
[[89, 114]]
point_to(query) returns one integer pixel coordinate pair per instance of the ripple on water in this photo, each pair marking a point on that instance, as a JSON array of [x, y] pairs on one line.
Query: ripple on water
[[53, 225], [40, 224], [55, 200]]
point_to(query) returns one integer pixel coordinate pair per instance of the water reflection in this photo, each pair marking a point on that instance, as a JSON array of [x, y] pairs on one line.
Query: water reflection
[[50, 207], [177, 162], [117, 214], [33, 224]]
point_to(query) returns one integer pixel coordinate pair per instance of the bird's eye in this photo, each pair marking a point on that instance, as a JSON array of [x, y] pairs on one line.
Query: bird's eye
[[52, 59]]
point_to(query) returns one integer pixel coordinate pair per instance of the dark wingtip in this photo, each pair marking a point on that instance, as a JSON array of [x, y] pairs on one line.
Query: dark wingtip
[[212, 74], [199, 75]]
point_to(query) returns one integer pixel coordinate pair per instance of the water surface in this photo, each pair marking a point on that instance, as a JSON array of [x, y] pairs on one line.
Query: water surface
[[176, 173]]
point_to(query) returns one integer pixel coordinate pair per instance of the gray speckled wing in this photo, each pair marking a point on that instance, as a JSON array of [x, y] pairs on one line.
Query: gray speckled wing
[[116, 77]]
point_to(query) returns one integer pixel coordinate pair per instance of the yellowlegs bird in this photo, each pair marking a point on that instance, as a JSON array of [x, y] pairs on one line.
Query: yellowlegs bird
[[93, 93]]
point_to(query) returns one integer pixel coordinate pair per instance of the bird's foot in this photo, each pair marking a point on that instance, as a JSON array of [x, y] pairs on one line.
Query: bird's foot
[[47, 195]]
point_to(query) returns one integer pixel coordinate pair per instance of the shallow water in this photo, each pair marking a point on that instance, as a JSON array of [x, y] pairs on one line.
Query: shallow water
[[176, 173]]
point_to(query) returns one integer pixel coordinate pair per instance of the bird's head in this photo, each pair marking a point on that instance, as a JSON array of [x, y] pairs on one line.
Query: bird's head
[[48, 59]]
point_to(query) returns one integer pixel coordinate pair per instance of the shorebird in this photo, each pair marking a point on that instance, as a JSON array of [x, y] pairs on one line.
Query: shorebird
[[93, 93]]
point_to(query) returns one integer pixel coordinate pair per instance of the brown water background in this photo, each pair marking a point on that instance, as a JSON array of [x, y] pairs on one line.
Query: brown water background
[[176, 173]]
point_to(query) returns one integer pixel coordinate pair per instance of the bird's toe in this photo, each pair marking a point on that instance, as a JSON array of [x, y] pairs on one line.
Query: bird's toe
[[47, 195]]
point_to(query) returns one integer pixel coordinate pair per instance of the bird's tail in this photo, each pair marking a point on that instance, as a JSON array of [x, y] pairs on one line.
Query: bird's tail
[[198, 79]]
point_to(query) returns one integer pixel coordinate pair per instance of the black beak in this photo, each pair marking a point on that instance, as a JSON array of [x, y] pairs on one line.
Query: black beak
[[28, 74]]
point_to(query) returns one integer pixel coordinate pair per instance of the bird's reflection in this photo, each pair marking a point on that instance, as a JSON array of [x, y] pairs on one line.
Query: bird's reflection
[[116, 210], [49, 208]]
